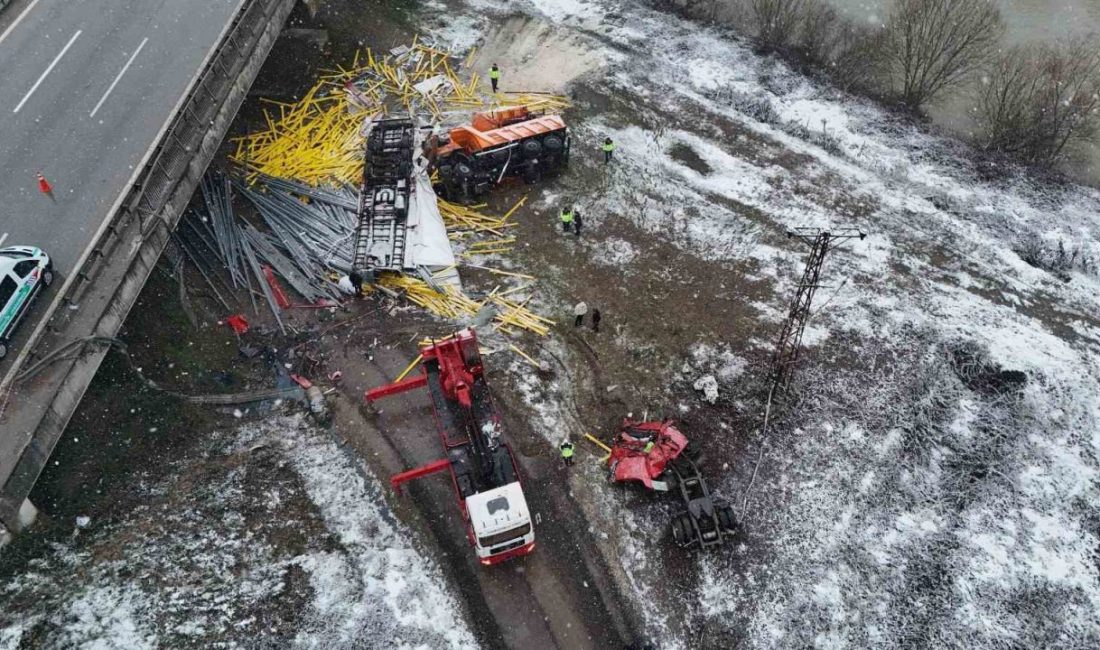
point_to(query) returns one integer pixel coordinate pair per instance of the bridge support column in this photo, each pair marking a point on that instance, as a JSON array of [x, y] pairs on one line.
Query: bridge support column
[[22, 520]]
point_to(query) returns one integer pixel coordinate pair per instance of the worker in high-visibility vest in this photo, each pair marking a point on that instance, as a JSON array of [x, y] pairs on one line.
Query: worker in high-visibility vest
[[494, 76], [608, 147], [648, 447], [566, 448], [567, 219]]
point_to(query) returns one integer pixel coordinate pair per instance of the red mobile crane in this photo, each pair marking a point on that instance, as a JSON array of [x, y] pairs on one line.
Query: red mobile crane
[[483, 471]]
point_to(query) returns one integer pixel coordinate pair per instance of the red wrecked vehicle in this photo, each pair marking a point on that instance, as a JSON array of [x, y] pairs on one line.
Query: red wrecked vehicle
[[652, 453]]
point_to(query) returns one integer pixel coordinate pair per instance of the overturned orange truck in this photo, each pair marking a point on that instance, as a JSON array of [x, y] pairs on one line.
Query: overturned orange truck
[[515, 141]]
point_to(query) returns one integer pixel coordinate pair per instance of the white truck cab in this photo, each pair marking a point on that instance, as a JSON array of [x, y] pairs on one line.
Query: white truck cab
[[24, 272], [501, 523]]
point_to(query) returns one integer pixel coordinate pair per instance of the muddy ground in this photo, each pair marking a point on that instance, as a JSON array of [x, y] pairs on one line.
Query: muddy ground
[[128, 435], [689, 280]]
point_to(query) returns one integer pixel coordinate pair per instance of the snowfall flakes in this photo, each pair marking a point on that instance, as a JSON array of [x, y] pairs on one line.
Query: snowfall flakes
[[201, 563], [918, 505]]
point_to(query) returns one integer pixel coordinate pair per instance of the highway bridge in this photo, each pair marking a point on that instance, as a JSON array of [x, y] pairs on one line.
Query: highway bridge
[[121, 105]]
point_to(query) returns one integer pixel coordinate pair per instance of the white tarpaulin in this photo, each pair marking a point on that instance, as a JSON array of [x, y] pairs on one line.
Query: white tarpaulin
[[431, 84], [426, 243]]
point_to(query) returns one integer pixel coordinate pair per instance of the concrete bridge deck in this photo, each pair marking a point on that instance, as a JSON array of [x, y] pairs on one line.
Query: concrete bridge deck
[[121, 105]]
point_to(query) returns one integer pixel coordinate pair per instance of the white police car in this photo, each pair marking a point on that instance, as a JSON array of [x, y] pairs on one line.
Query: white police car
[[24, 272]]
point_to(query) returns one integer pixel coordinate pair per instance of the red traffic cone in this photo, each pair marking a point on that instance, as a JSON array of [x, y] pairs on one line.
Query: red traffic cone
[[43, 184]]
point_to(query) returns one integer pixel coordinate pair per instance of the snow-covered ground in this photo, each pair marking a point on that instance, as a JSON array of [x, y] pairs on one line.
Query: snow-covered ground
[[922, 492], [271, 537]]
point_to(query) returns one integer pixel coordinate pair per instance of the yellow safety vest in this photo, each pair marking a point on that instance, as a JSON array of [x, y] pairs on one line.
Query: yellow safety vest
[[494, 74], [566, 217], [567, 451], [649, 446], [609, 146]]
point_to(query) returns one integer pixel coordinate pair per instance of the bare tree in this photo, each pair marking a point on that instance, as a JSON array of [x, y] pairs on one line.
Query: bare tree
[[818, 30], [1038, 100], [777, 22], [933, 45], [849, 51]]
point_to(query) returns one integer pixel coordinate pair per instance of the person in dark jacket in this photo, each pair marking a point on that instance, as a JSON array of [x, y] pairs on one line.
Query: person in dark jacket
[[577, 223], [596, 320], [356, 283]]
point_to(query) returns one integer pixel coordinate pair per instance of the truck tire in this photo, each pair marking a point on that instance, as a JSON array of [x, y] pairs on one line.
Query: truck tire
[[531, 148], [463, 170], [553, 144], [3, 349], [682, 532]]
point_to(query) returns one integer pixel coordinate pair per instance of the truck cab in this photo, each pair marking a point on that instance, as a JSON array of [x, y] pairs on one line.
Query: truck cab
[[500, 523]]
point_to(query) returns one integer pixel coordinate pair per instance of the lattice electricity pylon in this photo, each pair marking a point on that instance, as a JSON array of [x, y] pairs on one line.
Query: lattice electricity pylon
[[790, 339]]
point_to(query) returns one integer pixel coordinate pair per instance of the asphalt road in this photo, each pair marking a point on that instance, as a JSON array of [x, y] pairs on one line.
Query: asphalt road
[[85, 88]]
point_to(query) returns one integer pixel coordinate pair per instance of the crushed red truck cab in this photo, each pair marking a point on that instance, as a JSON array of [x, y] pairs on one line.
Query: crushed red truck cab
[[630, 461], [653, 454]]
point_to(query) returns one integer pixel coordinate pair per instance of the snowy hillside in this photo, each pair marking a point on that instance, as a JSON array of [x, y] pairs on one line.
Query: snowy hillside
[[270, 537], [932, 481]]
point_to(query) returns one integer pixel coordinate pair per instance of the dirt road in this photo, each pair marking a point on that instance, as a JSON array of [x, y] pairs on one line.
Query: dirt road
[[559, 596]]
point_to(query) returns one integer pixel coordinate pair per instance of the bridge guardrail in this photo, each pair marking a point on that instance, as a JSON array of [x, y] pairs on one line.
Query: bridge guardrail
[[142, 219]]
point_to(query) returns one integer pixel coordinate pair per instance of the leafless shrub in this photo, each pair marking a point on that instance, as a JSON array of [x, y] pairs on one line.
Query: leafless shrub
[[757, 107], [822, 137], [777, 80], [851, 53], [705, 9], [1038, 100], [777, 22], [857, 61], [1058, 259], [818, 30], [933, 45]]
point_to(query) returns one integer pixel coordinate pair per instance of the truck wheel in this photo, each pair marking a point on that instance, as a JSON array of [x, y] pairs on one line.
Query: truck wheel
[[726, 519], [3, 349], [552, 143], [531, 148], [47, 277], [463, 170], [682, 532]]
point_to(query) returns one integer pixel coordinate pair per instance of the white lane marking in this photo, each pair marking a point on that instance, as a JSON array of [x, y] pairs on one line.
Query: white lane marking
[[60, 294], [119, 77], [3, 238], [18, 20], [48, 70]]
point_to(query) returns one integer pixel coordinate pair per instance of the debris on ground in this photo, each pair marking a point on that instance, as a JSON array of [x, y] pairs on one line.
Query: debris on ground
[[708, 385], [301, 176]]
